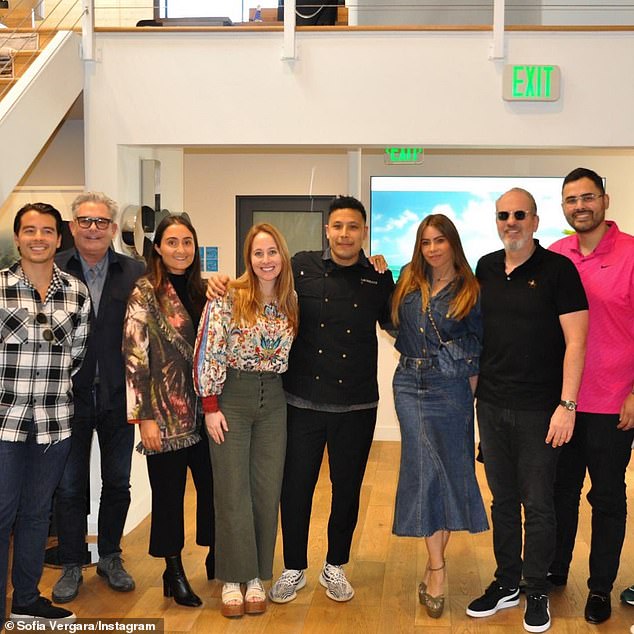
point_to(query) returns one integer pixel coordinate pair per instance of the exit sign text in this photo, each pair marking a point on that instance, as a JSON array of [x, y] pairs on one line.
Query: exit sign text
[[400, 155], [523, 82]]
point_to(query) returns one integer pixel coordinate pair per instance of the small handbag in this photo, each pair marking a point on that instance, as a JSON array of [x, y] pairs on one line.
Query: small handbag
[[457, 358]]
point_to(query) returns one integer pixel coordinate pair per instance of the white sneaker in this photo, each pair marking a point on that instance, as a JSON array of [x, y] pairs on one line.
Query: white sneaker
[[333, 578], [286, 587]]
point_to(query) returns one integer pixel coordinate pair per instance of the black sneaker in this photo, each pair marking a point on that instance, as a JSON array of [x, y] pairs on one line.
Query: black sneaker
[[537, 614], [40, 610], [495, 598]]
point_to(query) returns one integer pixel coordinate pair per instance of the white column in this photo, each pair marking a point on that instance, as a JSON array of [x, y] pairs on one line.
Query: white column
[[288, 48], [496, 51], [88, 30], [353, 12], [354, 173]]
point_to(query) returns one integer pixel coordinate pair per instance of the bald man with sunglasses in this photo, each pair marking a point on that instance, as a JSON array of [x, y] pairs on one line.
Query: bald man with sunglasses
[[535, 317]]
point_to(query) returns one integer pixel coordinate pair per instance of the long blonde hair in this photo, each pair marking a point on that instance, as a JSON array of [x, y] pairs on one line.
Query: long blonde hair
[[415, 276], [248, 302]]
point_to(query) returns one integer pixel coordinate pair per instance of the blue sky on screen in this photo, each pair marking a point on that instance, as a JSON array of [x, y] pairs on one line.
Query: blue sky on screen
[[398, 204]]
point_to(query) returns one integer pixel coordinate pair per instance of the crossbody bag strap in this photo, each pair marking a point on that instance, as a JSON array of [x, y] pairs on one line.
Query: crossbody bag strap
[[433, 323]]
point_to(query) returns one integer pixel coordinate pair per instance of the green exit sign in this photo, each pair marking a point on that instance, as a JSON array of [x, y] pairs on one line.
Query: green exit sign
[[401, 155], [523, 82]]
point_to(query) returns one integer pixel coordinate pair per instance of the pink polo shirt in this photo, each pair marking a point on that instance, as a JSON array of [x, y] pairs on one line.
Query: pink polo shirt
[[608, 278]]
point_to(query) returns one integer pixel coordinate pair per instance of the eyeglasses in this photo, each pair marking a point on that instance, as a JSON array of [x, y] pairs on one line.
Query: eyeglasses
[[47, 334], [571, 201], [85, 222], [520, 214]]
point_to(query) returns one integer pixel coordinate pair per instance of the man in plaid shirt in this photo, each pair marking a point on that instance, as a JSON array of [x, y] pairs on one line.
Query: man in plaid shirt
[[43, 331]]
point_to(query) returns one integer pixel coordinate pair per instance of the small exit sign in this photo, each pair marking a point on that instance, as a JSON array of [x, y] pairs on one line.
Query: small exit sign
[[404, 155], [523, 82]]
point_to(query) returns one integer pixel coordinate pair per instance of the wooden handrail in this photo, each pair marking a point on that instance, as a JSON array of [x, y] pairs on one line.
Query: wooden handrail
[[435, 28]]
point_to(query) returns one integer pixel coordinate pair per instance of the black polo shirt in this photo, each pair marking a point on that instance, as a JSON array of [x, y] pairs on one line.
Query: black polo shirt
[[333, 360], [523, 347]]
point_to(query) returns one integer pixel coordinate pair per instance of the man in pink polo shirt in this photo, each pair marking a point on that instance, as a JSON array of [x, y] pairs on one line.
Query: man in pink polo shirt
[[604, 429]]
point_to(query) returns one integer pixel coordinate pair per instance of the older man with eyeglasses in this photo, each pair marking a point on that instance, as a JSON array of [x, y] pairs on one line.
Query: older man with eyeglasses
[[535, 316], [100, 403], [604, 431], [44, 317]]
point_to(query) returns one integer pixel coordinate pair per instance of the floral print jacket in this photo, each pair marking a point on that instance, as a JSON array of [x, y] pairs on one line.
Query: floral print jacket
[[158, 339], [221, 343]]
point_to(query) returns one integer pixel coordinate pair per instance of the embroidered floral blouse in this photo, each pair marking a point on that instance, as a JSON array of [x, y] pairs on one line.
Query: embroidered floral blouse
[[158, 348], [263, 347]]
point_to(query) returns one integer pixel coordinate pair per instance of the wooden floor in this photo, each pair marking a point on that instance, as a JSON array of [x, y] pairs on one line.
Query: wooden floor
[[384, 570]]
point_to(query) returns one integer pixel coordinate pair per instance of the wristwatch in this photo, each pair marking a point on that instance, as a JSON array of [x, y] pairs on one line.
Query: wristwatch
[[569, 405]]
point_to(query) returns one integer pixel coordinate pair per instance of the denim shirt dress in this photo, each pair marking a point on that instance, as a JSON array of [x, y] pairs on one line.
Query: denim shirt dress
[[437, 487]]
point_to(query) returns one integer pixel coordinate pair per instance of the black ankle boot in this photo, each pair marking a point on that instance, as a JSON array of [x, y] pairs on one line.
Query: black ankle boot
[[175, 583], [210, 565]]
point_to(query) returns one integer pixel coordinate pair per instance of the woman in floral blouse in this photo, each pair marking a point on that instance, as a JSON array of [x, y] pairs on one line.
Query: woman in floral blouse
[[242, 348], [158, 344]]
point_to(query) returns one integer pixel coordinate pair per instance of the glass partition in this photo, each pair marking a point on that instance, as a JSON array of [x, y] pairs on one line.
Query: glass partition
[[387, 13]]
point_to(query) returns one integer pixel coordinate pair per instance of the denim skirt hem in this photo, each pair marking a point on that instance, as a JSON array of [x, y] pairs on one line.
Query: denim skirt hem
[[437, 486], [469, 529]]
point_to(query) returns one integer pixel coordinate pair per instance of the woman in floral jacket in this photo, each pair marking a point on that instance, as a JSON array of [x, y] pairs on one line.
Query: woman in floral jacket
[[241, 350], [159, 333]]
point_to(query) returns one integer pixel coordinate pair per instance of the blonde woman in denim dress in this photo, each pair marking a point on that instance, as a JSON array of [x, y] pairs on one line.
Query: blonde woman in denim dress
[[436, 300]]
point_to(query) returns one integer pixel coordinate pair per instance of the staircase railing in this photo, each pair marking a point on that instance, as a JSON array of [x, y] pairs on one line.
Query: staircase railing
[[27, 31]]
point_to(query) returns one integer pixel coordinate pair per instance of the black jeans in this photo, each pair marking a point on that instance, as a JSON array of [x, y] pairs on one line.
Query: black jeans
[[349, 438], [116, 442], [520, 469], [598, 446], [168, 477]]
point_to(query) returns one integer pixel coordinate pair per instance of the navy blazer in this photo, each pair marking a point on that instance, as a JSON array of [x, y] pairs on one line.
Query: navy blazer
[[106, 331]]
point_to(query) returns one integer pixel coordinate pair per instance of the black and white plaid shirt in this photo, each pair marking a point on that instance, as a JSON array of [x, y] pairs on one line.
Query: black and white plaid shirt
[[42, 344]]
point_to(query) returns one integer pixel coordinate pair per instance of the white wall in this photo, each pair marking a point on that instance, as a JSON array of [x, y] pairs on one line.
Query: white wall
[[61, 162], [348, 89]]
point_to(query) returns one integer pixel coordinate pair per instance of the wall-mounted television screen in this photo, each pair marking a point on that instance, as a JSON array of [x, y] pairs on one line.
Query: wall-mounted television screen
[[399, 203]]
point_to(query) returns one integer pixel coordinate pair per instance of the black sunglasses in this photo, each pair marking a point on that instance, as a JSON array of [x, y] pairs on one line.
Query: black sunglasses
[[86, 221], [518, 215]]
